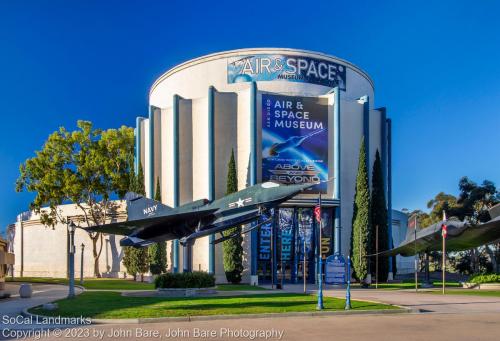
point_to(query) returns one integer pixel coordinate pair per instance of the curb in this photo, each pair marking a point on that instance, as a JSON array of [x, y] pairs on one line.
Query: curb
[[401, 310]]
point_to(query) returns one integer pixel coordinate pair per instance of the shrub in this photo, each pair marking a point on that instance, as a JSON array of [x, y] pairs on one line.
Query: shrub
[[485, 278], [196, 279]]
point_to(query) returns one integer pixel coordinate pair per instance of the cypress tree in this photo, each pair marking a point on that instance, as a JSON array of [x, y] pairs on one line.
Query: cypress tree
[[379, 218], [140, 185], [136, 260], [361, 218], [158, 251], [232, 248]]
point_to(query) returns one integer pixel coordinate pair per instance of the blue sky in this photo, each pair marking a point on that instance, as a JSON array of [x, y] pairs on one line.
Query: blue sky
[[434, 64]]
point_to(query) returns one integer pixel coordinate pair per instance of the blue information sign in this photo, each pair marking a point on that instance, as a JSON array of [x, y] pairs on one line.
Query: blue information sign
[[335, 270]]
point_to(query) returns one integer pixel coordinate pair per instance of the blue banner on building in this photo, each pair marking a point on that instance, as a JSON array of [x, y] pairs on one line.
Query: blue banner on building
[[286, 233], [270, 67], [295, 140], [265, 235]]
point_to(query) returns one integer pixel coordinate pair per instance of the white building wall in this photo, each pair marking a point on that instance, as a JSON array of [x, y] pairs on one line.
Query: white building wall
[[351, 130], [192, 78], [46, 248], [404, 265]]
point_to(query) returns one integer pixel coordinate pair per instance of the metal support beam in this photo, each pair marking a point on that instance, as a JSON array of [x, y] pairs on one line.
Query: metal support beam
[[389, 187], [336, 170], [175, 124], [151, 152], [211, 170], [253, 168]]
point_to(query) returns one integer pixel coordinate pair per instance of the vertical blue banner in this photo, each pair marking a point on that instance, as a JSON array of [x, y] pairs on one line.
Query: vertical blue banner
[[286, 233]]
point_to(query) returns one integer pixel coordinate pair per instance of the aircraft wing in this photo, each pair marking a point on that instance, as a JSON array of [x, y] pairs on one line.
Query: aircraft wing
[[461, 236], [147, 218]]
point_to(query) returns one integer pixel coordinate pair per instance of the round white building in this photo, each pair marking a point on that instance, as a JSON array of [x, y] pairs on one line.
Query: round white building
[[288, 115]]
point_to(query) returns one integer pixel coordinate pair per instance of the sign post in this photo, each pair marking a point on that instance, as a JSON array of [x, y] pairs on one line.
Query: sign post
[[348, 291]]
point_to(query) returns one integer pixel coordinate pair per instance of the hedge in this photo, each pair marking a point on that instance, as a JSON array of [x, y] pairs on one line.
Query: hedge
[[485, 278], [196, 279]]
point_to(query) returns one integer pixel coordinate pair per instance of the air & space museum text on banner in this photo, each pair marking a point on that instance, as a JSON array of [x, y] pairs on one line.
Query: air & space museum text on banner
[[291, 116]]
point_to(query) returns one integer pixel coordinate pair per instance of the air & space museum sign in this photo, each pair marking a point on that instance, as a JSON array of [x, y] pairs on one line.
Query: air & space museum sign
[[295, 140], [270, 67]]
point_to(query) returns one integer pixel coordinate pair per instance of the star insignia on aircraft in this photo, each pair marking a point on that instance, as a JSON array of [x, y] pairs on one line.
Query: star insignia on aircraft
[[240, 202]]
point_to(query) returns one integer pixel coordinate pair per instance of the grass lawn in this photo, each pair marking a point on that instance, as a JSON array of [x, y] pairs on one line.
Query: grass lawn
[[107, 304], [92, 283], [122, 284], [408, 285]]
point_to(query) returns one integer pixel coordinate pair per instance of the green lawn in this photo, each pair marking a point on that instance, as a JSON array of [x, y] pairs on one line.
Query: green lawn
[[92, 283], [407, 285], [122, 284], [107, 304]]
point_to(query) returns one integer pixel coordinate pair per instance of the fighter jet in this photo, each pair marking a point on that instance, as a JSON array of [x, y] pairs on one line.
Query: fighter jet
[[150, 221], [460, 236], [291, 142]]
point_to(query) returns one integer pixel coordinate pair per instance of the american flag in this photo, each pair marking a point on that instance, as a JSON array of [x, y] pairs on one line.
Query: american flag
[[444, 228], [317, 211]]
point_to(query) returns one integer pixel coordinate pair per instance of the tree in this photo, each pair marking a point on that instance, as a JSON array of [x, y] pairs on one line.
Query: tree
[[158, 251], [361, 218], [379, 218], [86, 167], [474, 201], [232, 247], [140, 186], [442, 202]]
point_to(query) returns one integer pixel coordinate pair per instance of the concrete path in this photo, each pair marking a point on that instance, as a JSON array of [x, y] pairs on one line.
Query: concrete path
[[407, 327], [426, 302], [42, 293]]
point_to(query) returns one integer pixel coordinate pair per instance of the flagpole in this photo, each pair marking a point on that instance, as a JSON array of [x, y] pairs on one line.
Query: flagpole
[[376, 256], [320, 282], [416, 257], [305, 248], [320, 279], [443, 233]]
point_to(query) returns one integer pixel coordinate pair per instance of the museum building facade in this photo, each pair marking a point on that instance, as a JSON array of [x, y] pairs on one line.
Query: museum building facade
[[288, 115]]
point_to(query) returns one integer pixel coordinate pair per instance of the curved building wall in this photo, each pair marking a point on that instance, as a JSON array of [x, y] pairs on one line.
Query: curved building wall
[[181, 144]]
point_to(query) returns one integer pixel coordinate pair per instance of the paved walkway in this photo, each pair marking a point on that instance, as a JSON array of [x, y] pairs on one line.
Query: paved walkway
[[426, 302], [42, 293], [450, 317], [407, 327]]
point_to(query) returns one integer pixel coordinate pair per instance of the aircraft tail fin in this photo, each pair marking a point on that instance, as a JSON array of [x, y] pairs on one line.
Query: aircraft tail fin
[[412, 227], [495, 211], [140, 207]]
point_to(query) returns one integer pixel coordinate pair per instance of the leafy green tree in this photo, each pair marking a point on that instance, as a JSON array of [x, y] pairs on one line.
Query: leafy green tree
[[232, 248], [379, 218], [361, 219], [130, 261], [86, 167], [442, 202], [474, 201], [158, 251]]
